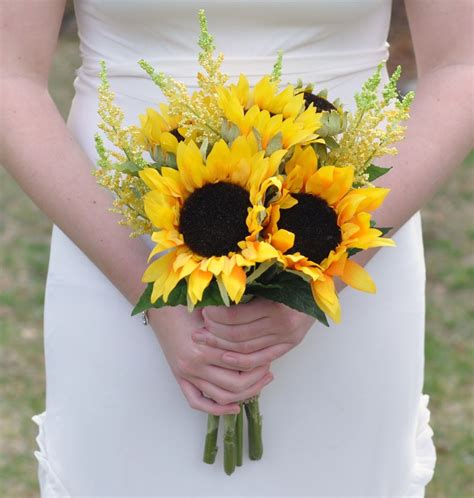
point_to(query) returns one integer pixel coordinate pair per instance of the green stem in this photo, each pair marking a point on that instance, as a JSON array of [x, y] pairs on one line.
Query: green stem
[[254, 419], [239, 435], [229, 443], [210, 447]]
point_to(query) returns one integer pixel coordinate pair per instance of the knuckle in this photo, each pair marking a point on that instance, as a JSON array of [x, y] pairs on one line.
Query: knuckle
[[245, 364], [290, 320]]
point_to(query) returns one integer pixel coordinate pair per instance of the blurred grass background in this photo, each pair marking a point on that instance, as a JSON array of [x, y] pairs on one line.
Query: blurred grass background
[[448, 235]]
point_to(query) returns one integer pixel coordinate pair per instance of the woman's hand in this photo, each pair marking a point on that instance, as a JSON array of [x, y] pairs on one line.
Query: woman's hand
[[207, 382], [254, 334]]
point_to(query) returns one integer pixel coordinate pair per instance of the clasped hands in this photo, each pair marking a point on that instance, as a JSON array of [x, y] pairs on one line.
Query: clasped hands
[[220, 356]]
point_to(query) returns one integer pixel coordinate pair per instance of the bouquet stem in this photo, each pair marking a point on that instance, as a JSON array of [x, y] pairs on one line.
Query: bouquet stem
[[230, 447], [210, 447], [239, 435], [254, 419]]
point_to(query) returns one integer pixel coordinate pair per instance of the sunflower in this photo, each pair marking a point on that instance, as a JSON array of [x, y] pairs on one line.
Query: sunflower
[[160, 129], [208, 212], [273, 115], [329, 219]]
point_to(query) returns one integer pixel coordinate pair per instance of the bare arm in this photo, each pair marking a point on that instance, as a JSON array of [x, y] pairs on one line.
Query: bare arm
[[439, 136], [440, 129], [38, 150]]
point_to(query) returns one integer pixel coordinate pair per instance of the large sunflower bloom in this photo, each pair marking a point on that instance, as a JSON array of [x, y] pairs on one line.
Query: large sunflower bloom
[[269, 112], [329, 219], [160, 129], [205, 212]]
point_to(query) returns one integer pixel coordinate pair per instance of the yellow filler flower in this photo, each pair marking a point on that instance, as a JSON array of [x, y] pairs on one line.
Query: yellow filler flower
[[206, 211], [329, 219]]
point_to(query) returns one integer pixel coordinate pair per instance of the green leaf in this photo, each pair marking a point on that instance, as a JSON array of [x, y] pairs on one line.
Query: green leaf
[[353, 250], [376, 172], [291, 290], [144, 301], [276, 143], [163, 159], [176, 297], [128, 167], [258, 137], [331, 143], [384, 230], [229, 131]]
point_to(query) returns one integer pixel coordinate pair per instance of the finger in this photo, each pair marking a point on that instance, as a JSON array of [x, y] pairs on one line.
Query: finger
[[253, 360], [233, 380], [240, 313], [224, 397], [208, 356], [202, 336], [240, 332], [197, 401]]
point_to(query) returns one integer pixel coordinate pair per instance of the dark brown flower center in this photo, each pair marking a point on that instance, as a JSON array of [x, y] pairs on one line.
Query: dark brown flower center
[[177, 134], [320, 103], [213, 219], [314, 224]]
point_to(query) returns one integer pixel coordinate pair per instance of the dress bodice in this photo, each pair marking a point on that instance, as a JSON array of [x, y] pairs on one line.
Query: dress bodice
[[321, 39]]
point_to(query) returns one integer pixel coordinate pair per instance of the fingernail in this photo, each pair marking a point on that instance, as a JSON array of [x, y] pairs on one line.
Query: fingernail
[[201, 338]]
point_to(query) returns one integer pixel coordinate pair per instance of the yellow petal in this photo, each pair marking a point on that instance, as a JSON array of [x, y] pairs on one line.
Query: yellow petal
[[283, 240], [190, 165], [325, 295], [234, 283], [161, 213], [170, 284], [198, 282], [357, 277], [159, 268], [331, 183], [151, 177]]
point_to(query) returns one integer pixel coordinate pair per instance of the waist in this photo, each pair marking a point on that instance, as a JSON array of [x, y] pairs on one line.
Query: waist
[[318, 67]]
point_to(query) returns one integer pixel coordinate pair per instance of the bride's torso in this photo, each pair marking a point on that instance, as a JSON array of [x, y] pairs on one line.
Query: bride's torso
[[324, 41]]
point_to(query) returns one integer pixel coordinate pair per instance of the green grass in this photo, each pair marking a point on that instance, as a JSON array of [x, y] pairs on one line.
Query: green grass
[[24, 241]]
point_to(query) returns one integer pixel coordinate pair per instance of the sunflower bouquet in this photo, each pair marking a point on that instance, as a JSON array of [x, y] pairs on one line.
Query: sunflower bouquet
[[250, 191]]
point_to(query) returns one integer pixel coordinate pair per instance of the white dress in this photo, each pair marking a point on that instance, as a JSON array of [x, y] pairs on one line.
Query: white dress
[[345, 415]]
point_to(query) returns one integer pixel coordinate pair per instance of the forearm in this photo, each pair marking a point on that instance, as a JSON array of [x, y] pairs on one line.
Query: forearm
[[38, 150], [439, 136]]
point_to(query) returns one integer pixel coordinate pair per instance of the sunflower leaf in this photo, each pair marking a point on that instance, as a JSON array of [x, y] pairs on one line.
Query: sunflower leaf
[[291, 290], [276, 143], [144, 300], [163, 159], [258, 138], [384, 230], [375, 172], [229, 131], [177, 296], [353, 250], [222, 290]]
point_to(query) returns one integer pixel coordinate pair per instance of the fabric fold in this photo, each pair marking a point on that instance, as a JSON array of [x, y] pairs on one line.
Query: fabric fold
[[50, 484], [425, 452]]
